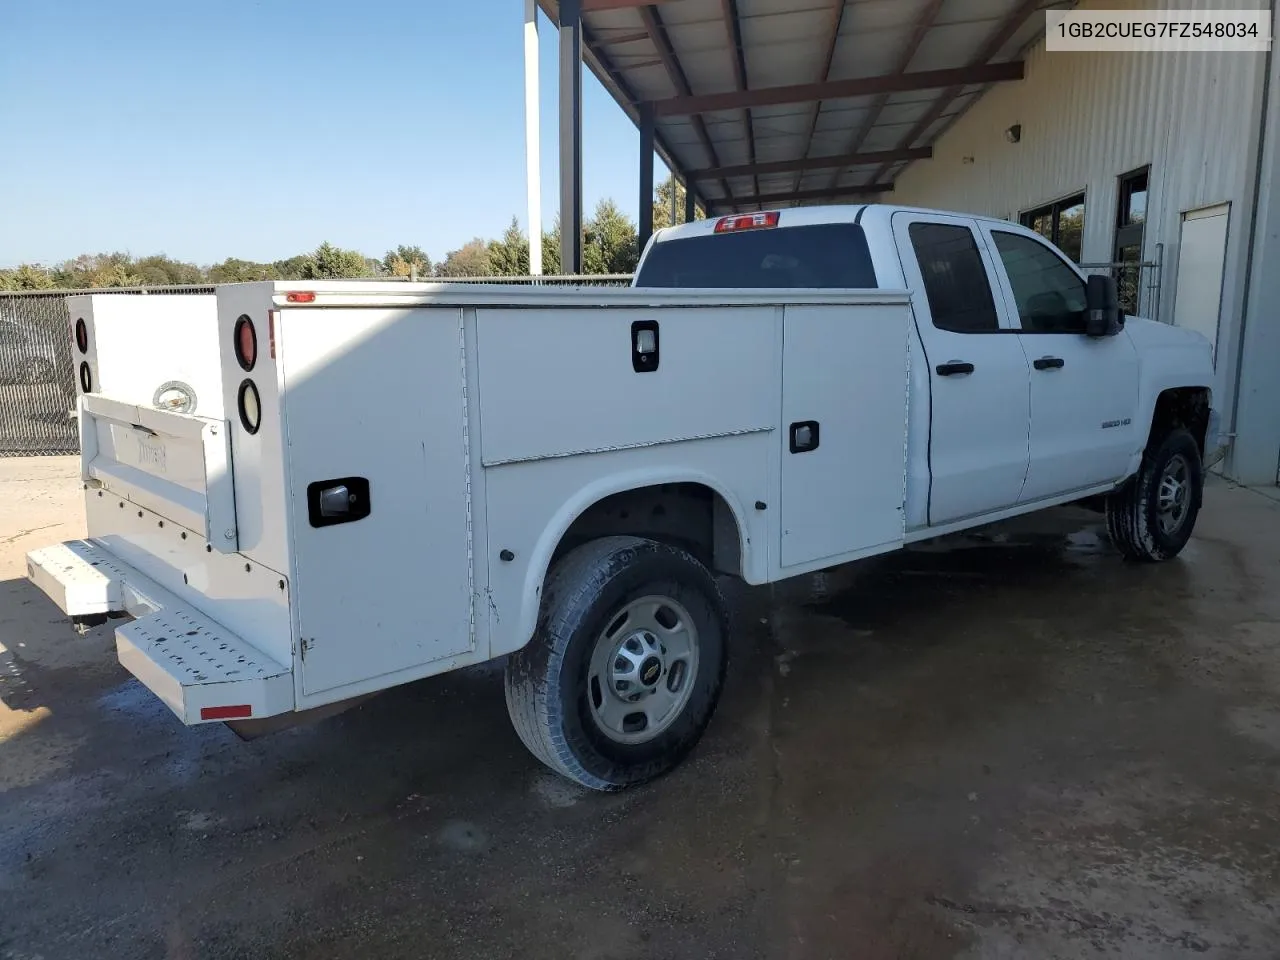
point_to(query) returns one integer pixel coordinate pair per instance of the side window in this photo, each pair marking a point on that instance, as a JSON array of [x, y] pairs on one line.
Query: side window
[[1049, 294], [955, 281]]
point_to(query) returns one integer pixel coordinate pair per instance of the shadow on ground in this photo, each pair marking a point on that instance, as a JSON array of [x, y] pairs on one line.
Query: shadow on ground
[[1006, 744]]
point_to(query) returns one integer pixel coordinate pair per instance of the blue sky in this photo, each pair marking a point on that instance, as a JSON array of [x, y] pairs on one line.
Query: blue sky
[[258, 129]]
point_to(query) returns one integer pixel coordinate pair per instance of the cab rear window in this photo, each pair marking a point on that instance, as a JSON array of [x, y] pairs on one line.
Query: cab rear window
[[817, 255]]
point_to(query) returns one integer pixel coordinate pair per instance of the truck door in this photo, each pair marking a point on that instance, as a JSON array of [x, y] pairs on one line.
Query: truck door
[[1084, 390], [979, 377]]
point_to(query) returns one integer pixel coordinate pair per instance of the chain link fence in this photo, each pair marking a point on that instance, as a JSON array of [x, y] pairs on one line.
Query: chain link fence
[[37, 378]]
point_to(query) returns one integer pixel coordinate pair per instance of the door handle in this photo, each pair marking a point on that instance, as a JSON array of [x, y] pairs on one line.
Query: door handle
[[953, 368], [804, 436], [1049, 363]]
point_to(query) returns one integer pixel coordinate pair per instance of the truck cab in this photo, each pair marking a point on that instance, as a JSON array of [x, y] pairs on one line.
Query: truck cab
[[1014, 401]]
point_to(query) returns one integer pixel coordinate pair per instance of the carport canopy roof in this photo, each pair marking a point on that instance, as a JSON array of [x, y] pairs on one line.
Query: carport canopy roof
[[782, 102]]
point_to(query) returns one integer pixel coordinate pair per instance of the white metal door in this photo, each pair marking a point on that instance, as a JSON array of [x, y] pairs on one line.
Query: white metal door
[[1202, 251], [978, 375], [1084, 391], [844, 380], [378, 394]]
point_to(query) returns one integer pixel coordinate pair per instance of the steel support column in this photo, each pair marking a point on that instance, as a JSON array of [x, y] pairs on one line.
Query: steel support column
[[1254, 454], [690, 202], [532, 147], [571, 136], [646, 174]]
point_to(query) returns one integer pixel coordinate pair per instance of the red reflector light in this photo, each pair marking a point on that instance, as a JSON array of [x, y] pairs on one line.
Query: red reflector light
[[246, 343], [238, 712], [300, 297], [747, 221]]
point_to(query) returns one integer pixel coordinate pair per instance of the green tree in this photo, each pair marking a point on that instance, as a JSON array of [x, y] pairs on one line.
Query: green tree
[[469, 260], [609, 243], [28, 276], [333, 263], [233, 270], [115, 274], [159, 270], [551, 249], [662, 204], [404, 261], [75, 273], [509, 256], [292, 268]]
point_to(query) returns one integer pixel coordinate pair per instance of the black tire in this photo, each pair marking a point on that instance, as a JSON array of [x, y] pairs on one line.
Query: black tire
[[547, 682], [1133, 511]]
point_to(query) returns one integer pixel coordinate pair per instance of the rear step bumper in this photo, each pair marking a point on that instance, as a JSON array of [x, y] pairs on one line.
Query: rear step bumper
[[204, 672]]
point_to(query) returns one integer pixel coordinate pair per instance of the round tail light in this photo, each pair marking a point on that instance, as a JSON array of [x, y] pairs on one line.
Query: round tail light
[[86, 377], [246, 342], [250, 407], [82, 336]]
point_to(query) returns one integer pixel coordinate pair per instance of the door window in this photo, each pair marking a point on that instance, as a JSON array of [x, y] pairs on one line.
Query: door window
[[1049, 295], [955, 279]]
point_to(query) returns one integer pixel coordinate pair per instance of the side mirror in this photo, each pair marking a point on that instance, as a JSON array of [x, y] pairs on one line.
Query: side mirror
[[1102, 312]]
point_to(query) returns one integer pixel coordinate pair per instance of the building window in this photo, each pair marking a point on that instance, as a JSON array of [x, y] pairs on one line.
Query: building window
[[1131, 218], [1061, 223]]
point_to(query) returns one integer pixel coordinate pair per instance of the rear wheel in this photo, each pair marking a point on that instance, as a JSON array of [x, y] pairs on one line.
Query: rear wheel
[[1151, 517], [626, 668]]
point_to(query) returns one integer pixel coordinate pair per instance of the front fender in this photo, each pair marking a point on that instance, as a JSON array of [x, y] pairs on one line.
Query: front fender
[[1168, 358]]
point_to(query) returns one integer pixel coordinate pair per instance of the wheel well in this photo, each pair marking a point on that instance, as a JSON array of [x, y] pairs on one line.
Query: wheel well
[[1186, 407], [687, 515]]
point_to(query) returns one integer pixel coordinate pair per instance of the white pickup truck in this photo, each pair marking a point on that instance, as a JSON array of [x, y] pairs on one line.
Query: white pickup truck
[[301, 493]]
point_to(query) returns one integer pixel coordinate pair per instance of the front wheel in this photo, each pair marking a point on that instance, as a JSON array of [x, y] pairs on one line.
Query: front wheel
[[1151, 517], [625, 670]]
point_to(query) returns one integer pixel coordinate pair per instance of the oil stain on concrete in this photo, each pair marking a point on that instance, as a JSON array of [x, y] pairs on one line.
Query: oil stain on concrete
[[1010, 744]]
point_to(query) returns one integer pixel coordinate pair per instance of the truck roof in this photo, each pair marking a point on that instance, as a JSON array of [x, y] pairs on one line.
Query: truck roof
[[828, 213]]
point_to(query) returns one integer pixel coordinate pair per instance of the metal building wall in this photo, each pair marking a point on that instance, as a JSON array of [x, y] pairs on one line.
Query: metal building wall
[[1255, 452], [1087, 119]]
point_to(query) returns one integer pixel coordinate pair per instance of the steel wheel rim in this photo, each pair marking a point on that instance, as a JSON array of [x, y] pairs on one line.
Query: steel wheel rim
[[643, 669], [1173, 494]]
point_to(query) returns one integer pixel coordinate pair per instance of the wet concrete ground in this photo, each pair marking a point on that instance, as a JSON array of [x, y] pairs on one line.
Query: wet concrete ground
[[1005, 745]]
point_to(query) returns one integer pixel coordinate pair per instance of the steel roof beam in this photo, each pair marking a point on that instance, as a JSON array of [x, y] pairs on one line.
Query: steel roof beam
[[833, 36], [1008, 27], [662, 43], [923, 25], [798, 195], [814, 163], [595, 6], [612, 80], [729, 9], [838, 89]]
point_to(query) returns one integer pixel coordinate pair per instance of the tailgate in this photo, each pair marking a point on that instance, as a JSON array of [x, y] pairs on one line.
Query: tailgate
[[175, 464]]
